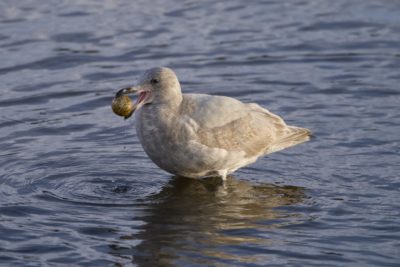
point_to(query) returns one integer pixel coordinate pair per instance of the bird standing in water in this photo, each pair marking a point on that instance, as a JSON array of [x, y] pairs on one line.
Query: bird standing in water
[[198, 135]]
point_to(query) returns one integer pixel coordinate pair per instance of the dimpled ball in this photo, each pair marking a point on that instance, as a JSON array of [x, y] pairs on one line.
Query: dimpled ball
[[122, 106]]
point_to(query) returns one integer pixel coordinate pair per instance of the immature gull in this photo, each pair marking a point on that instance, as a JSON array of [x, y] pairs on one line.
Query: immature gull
[[198, 135]]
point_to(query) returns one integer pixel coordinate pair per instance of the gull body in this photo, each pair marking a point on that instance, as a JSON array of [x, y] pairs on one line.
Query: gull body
[[198, 135]]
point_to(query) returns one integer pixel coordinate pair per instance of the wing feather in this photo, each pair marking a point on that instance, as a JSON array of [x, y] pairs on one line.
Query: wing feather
[[229, 124]]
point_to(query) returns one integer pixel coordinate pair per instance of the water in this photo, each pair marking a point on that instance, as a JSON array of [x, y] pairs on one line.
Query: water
[[76, 189]]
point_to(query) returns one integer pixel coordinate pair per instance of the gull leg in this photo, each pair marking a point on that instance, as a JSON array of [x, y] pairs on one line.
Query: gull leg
[[222, 188], [223, 175]]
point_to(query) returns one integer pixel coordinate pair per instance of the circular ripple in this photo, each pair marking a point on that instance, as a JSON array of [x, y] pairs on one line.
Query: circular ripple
[[97, 191]]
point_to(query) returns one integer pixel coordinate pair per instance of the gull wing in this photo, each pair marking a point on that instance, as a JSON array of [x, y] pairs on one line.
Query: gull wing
[[226, 123]]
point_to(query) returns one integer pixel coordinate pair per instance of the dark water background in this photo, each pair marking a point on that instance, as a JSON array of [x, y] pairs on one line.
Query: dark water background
[[76, 189]]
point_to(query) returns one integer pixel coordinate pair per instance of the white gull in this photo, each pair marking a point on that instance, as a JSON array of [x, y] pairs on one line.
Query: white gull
[[198, 135]]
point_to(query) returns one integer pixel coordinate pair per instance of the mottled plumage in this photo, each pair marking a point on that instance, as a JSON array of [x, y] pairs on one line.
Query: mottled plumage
[[198, 135]]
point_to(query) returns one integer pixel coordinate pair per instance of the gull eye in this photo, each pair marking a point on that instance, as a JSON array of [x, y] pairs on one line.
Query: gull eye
[[154, 81]]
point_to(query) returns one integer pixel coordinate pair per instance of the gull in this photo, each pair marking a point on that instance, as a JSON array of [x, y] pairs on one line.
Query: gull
[[200, 135]]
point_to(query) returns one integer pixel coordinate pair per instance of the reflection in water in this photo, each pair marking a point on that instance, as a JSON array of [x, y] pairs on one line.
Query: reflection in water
[[202, 221]]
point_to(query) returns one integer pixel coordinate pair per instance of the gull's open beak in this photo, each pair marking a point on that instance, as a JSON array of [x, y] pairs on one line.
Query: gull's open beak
[[141, 100]]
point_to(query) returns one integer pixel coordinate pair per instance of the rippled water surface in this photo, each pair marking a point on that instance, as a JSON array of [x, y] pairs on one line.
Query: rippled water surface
[[76, 188]]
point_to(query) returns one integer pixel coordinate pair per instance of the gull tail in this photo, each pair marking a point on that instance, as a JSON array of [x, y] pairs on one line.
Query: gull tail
[[295, 135]]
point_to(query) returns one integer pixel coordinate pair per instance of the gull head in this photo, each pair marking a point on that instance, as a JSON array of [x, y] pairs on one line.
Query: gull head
[[156, 86]]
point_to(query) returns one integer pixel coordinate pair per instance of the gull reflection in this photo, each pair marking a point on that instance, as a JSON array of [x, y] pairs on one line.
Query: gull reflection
[[201, 221]]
